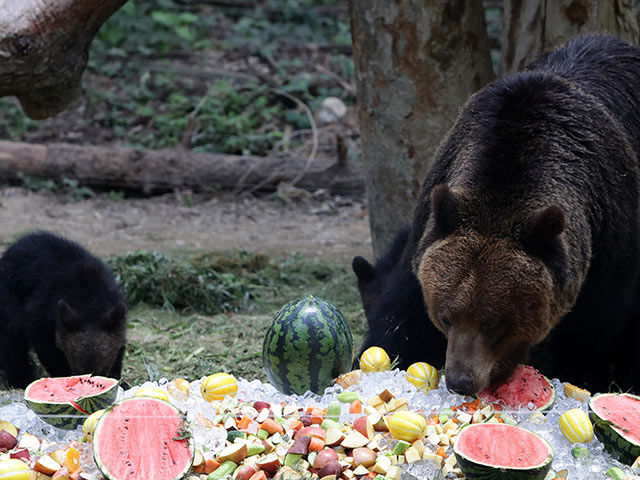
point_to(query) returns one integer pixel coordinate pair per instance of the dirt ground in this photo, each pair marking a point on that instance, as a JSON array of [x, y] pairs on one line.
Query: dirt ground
[[315, 225]]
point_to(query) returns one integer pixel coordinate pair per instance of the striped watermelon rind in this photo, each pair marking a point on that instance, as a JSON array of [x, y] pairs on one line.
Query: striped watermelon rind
[[102, 447], [486, 471], [615, 439], [68, 415], [307, 345]]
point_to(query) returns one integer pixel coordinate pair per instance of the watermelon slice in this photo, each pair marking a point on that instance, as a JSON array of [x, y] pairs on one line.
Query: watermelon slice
[[526, 386], [488, 451], [64, 402], [143, 438], [616, 420]]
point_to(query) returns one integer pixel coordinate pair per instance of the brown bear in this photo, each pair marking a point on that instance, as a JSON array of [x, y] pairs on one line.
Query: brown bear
[[527, 228]]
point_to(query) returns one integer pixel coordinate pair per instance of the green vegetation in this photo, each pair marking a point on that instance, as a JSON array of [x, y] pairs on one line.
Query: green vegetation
[[165, 73], [163, 342], [215, 283]]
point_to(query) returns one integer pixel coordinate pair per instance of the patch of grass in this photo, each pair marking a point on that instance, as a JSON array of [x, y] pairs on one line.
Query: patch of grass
[[163, 344], [166, 343], [213, 283], [67, 187]]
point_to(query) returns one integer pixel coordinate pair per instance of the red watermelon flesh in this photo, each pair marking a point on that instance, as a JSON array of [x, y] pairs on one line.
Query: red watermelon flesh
[[142, 438], [69, 389], [502, 445], [526, 385], [623, 411]]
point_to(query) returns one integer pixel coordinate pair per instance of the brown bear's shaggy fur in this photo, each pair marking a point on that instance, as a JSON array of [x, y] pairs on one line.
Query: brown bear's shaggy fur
[[534, 224], [527, 229]]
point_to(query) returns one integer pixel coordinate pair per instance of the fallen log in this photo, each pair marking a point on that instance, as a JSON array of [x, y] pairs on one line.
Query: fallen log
[[156, 171]]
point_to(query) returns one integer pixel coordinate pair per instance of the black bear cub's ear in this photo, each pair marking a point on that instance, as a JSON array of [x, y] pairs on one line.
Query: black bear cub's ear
[[66, 316], [363, 269], [115, 318], [444, 209]]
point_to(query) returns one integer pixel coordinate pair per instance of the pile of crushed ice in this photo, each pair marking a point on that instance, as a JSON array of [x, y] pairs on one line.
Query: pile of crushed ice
[[592, 468]]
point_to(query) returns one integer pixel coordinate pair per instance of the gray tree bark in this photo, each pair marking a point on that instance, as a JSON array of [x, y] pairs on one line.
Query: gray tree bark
[[416, 63], [531, 27], [44, 48]]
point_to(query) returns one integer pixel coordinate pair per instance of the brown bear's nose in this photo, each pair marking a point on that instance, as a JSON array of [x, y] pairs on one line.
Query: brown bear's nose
[[461, 383]]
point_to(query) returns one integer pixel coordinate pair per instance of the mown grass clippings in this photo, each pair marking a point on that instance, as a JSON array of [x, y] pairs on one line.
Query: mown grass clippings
[[213, 283]]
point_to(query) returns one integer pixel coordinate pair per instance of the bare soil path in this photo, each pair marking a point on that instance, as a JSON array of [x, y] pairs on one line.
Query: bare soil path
[[322, 226]]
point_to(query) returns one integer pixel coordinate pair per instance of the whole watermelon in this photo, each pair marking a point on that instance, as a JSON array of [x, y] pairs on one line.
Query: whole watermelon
[[308, 344]]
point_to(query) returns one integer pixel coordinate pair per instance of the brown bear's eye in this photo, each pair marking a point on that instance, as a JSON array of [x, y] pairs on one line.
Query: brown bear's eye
[[444, 321], [490, 323]]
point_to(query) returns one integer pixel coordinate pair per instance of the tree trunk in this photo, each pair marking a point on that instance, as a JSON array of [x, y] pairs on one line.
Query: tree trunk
[[153, 171], [534, 27], [44, 48], [416, 63]]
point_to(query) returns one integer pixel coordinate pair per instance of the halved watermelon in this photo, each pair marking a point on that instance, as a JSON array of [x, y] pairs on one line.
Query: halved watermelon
[[616, 420], [143, 438], [65, 402], [526, 386], [490, 451]]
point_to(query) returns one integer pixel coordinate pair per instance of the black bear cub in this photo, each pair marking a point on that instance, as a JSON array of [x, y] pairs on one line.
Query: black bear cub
[[394, 307], [59, 300]]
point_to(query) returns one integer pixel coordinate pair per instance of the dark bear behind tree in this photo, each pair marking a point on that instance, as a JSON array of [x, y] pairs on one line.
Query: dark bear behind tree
[[526, 230], [62, 302], [395, 310]]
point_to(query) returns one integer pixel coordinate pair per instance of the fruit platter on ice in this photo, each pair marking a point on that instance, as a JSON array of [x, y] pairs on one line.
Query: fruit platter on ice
[[375, 422]]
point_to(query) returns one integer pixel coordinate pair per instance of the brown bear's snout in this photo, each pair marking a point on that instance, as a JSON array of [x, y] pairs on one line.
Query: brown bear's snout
[[460, 382]]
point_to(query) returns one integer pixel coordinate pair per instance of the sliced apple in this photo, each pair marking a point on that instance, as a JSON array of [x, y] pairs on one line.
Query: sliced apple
[[7, 440], [311, 431], [333, 436], [363, 456], [354, 440], [382, 464], [268, 447], [62, 474], [270, 464], [59, 455], [300, 445], [236, 452], [364, 425], [27, 440], [198, 459], [331, 468], [325, 456], [21, 453], [46, 465], [9, 427], [361, 470], [244, 472]]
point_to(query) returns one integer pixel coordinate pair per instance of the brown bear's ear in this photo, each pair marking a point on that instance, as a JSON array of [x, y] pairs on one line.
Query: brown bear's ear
[[66, 317], [545, 226], [542, 238], [444, 209]]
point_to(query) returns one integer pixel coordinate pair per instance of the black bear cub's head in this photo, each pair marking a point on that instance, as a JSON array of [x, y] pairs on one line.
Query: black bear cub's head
[[91, 340], [489, 284]]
